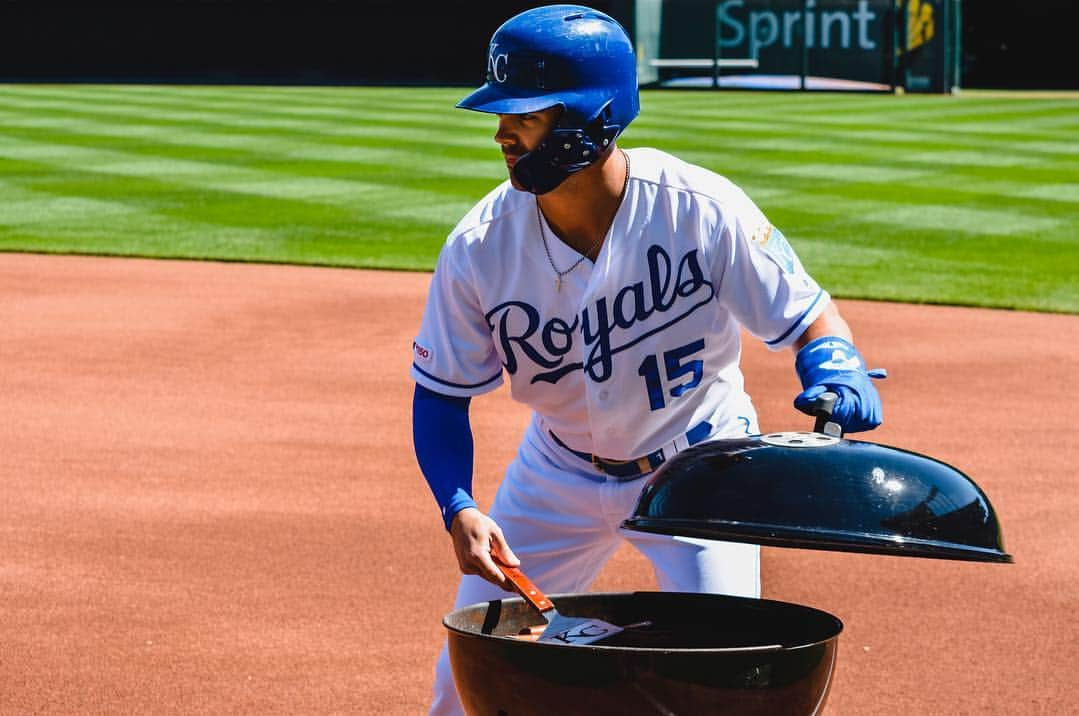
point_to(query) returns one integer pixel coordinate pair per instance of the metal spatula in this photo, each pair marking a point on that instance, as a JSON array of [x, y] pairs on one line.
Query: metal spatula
[[560, 629]]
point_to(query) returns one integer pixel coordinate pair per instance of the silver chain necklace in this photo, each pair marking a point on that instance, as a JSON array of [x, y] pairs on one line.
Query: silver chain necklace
[[597, 242]]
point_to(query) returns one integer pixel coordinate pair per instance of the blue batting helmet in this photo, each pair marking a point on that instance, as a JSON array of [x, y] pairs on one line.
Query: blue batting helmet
[[569, 56]]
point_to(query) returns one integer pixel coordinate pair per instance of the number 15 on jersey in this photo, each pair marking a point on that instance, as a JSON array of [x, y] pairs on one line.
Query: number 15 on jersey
[[676, 364]]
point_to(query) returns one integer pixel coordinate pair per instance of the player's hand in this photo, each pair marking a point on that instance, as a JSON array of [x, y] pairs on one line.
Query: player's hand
[[475, 536], [834, 364], [857, 409]]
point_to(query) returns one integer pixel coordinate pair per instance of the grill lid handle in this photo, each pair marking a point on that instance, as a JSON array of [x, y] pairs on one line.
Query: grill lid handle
[[822, 408]]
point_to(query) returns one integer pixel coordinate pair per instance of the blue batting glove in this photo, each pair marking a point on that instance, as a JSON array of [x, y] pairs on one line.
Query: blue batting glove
[[834, 364]]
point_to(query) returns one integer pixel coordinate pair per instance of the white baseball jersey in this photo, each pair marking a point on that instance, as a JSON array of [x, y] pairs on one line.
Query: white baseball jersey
[[635, 350]]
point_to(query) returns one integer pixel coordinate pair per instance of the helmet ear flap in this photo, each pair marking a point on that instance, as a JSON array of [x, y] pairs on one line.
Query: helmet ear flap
[[601, 131], [564, 152]]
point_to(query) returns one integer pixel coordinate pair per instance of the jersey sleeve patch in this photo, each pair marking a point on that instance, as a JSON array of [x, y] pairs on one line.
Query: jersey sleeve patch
[[772, 241]]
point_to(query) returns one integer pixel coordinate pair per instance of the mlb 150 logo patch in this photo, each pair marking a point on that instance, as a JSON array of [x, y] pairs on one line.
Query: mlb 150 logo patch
[[422, 354]]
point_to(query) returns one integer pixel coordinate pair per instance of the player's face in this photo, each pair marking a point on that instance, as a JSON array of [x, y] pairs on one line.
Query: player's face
[[521, 133]]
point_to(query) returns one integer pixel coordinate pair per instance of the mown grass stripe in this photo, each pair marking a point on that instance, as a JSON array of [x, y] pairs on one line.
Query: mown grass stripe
[[1052, 192], [327, 96], [254, 138], [182, 110], [847, 173], [878, 140], [957, 219], [218, 189], [419, 124], [25, 208], [359, 153]]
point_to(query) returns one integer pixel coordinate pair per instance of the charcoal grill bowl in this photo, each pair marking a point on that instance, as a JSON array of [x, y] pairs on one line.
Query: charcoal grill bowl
[[703, 653]]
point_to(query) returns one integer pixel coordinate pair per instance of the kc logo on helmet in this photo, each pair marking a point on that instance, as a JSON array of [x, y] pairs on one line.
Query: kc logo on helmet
[[497, 63]]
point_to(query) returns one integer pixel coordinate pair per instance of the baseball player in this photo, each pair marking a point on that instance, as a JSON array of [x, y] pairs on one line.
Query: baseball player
[[610, 286]]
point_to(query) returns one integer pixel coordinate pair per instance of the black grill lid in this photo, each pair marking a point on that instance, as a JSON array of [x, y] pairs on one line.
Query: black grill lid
[[816, 491]]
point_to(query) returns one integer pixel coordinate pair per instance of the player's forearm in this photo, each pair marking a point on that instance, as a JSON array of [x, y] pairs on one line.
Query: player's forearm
[[442, 438], [829, 323]]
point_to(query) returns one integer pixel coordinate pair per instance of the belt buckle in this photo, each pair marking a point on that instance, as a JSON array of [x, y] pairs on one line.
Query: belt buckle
[[599, 463], [642, 464]]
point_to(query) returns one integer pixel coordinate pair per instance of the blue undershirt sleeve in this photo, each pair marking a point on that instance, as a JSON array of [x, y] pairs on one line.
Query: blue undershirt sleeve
[[442, 439]]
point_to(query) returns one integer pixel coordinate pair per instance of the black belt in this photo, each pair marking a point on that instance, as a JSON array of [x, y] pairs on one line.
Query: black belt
[[630, 469]]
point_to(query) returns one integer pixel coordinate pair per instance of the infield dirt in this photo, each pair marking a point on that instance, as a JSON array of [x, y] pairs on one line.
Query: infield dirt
[[211, 503]]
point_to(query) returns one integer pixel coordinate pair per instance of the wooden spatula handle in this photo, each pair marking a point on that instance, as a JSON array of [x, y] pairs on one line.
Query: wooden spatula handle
[[525, 587]]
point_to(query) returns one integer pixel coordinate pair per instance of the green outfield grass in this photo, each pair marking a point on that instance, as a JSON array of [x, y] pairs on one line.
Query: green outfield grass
[[968, 200]]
